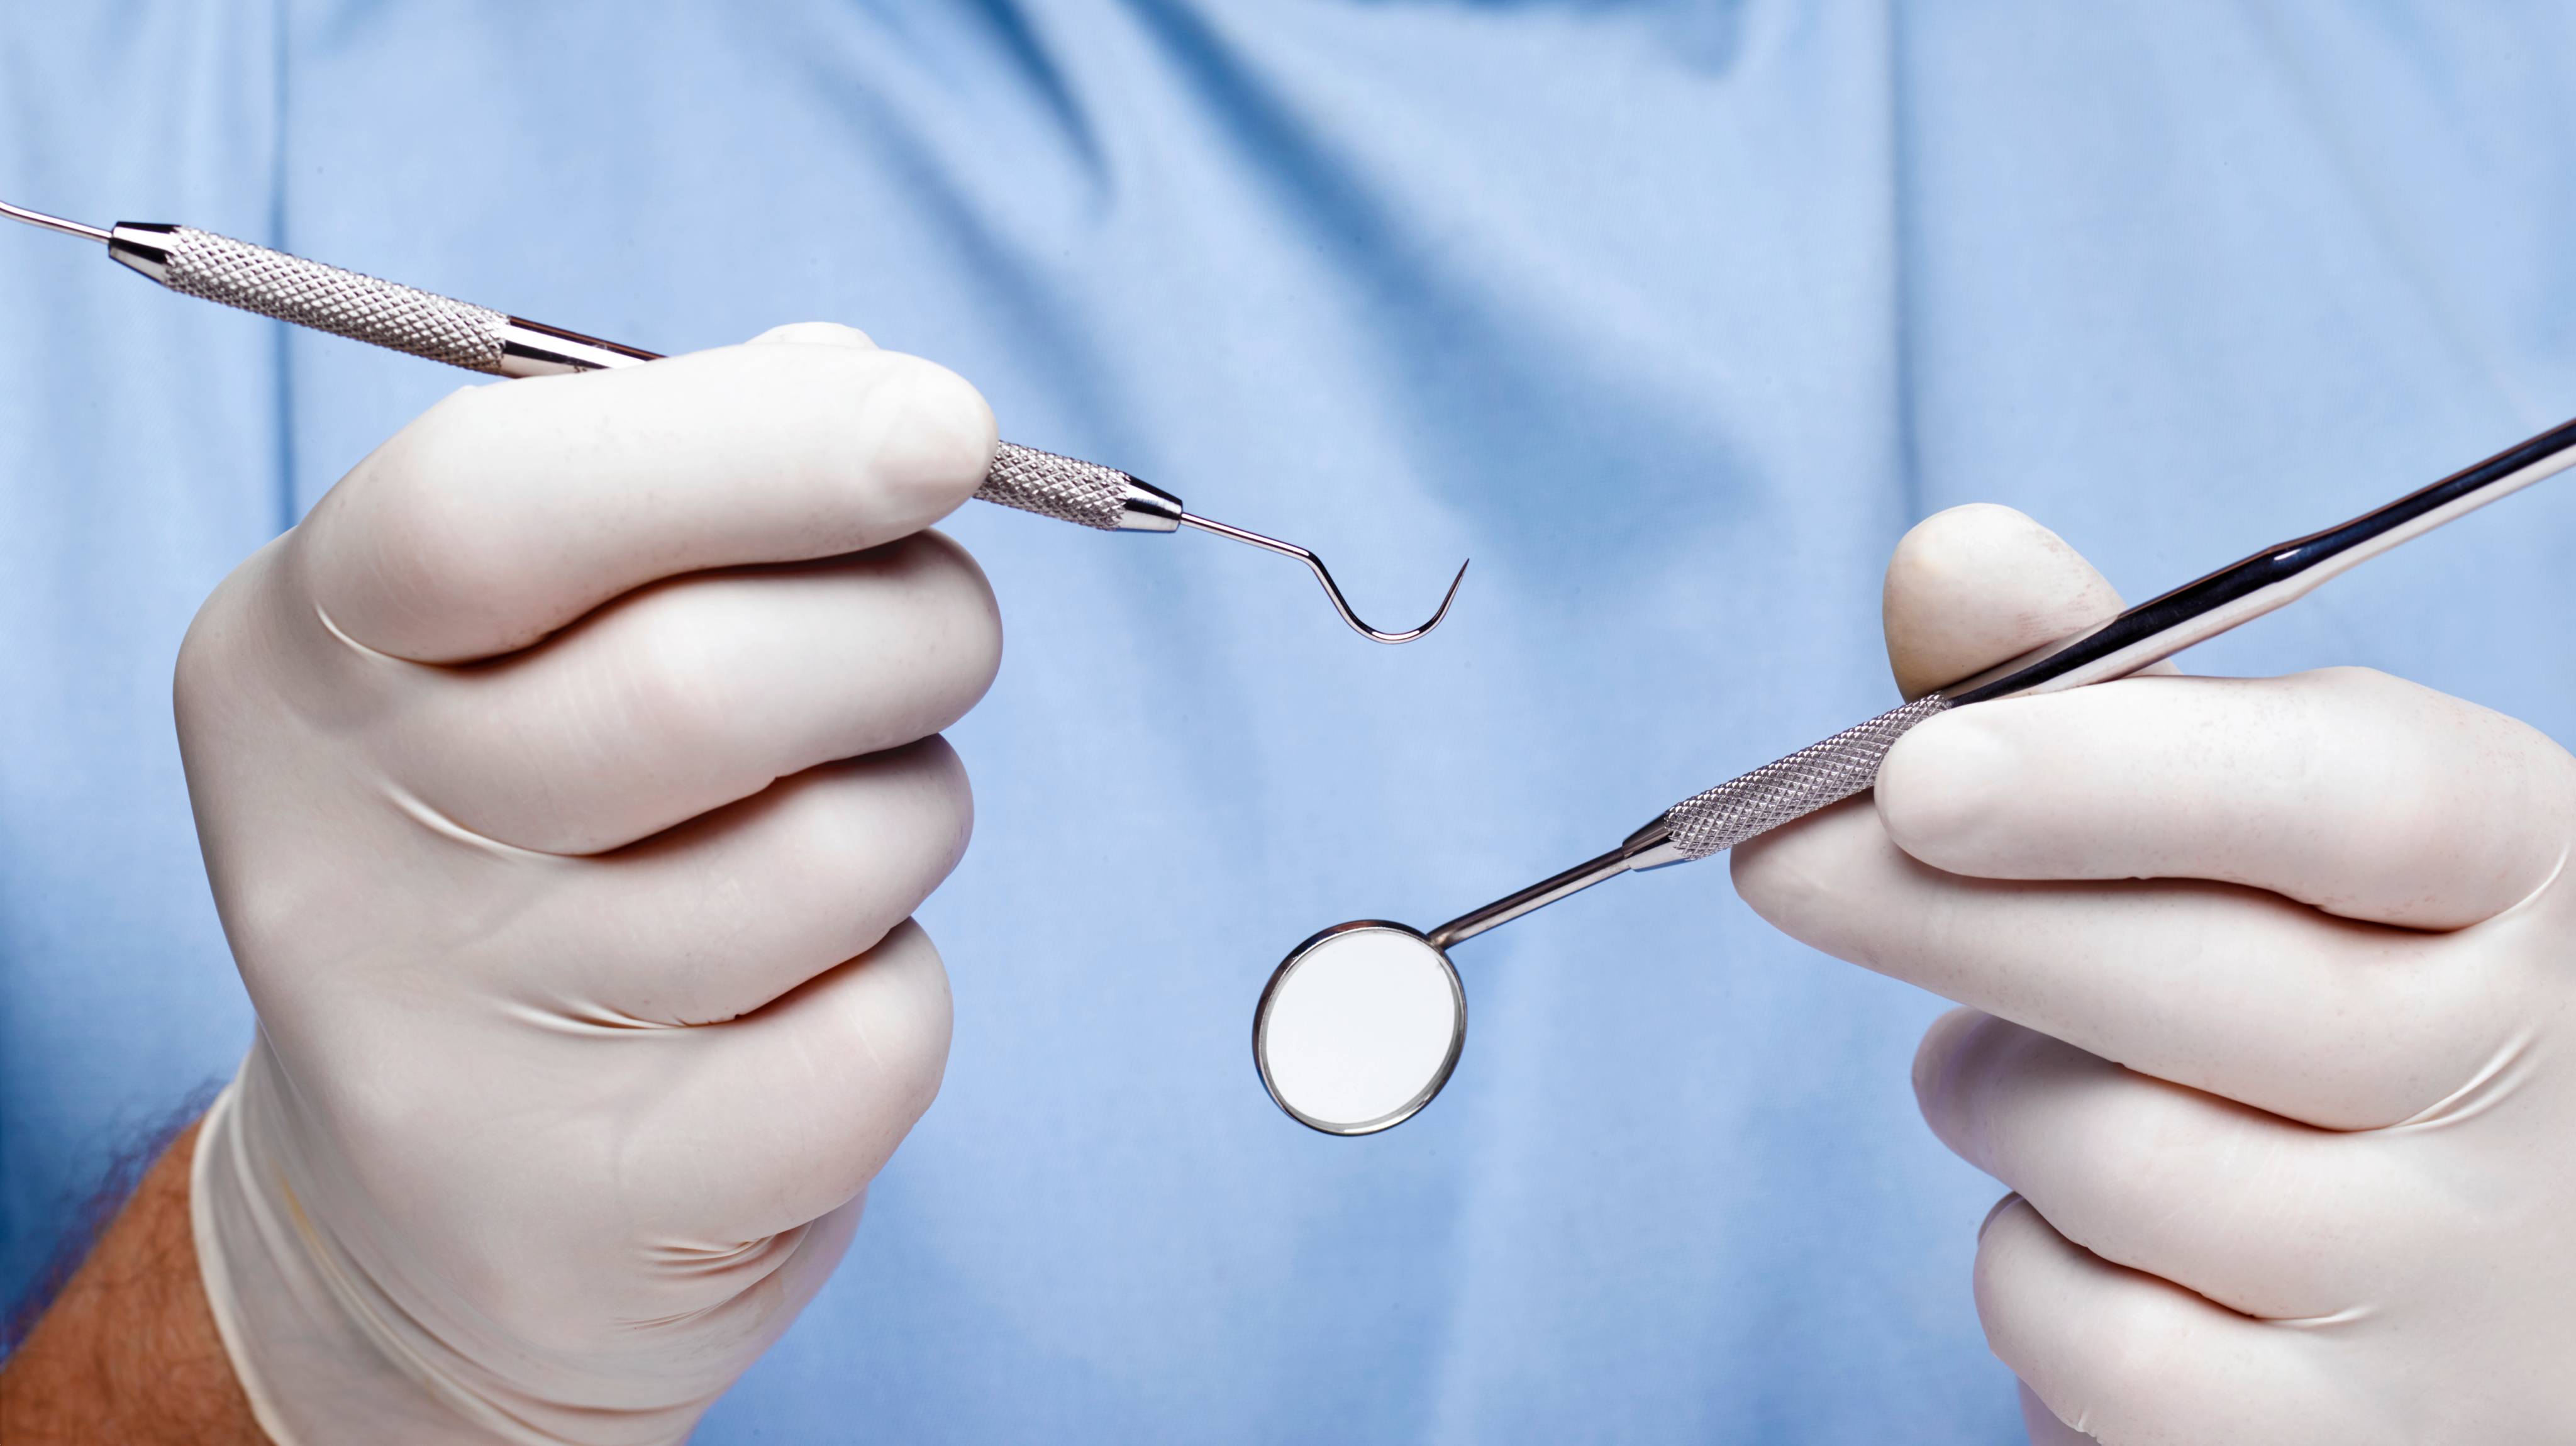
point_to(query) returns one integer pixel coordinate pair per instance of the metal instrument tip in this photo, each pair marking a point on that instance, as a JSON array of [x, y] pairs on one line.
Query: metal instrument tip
[[53, 223], [1332, 589]]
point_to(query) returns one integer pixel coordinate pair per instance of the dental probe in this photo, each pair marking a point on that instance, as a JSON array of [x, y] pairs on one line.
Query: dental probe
[[1827, 772], [424, 324]]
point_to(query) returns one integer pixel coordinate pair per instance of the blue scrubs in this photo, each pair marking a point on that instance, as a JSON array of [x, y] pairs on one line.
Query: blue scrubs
[[1674, 316]]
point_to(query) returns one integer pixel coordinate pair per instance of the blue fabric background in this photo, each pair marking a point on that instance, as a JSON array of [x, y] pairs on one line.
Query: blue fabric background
[[1673, 315]]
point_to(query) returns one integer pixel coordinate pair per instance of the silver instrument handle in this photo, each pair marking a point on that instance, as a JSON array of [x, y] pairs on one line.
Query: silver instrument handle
[[1778, 792], [1071, 490], [310, 294], [421, 323]]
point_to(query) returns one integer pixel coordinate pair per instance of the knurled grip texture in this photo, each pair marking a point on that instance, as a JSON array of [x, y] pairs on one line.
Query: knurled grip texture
[[326, 298], [1792, 787], [1063, 488], [426, 324]]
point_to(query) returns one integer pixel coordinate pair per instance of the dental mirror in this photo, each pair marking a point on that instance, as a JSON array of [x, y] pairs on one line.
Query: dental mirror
[[1362, 1024], [1359, 1027]]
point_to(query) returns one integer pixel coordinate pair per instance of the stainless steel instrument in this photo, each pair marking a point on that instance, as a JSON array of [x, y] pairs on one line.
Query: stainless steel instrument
[[1418, 981], [425, 324]]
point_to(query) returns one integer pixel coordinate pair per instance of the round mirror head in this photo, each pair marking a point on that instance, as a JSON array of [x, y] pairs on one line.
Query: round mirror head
[[1359, 1028]]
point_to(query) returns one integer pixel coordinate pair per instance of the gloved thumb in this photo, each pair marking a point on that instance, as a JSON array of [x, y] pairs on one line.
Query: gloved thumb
[[1975, 585]]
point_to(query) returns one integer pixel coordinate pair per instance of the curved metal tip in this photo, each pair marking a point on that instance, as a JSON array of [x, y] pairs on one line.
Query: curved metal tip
[[1372, 634], [52, 223], [1332, 589]]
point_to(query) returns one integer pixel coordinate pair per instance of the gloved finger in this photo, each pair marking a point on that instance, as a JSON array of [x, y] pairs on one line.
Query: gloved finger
[[2225, 989], [1972, 586], [2358, 793], [789, 1112], [508, 510], [2247, 1209], [692, 694], [716, 918], [2136, 1361]]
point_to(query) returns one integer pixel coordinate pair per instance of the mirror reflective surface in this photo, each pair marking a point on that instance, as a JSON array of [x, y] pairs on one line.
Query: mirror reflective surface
[[1359, 1027]]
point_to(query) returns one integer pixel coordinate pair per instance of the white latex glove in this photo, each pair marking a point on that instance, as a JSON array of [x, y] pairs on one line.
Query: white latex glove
[[2271, 1027], [588, 1002]]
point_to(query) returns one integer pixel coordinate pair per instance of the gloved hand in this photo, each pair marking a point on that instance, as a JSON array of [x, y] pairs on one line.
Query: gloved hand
[[566, 781], [2272, 1026]]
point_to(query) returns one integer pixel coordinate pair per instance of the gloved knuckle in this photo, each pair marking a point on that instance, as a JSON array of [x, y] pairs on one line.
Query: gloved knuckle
[[958, 606], [2101, 1357], [205, 669], [219, 669], [946, 795], [1950, 1066], [908, 1028], [911, 806]]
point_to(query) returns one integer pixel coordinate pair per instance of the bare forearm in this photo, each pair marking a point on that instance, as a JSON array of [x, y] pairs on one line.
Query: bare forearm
[[129, 1352]]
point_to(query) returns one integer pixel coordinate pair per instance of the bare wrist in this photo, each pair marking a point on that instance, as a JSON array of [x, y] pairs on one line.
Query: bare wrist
[[129, 1351]]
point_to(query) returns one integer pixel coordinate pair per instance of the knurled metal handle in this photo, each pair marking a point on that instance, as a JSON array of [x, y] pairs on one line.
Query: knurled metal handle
[[1065, 488], [326, 298], [425, 324], [1790, 788]]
